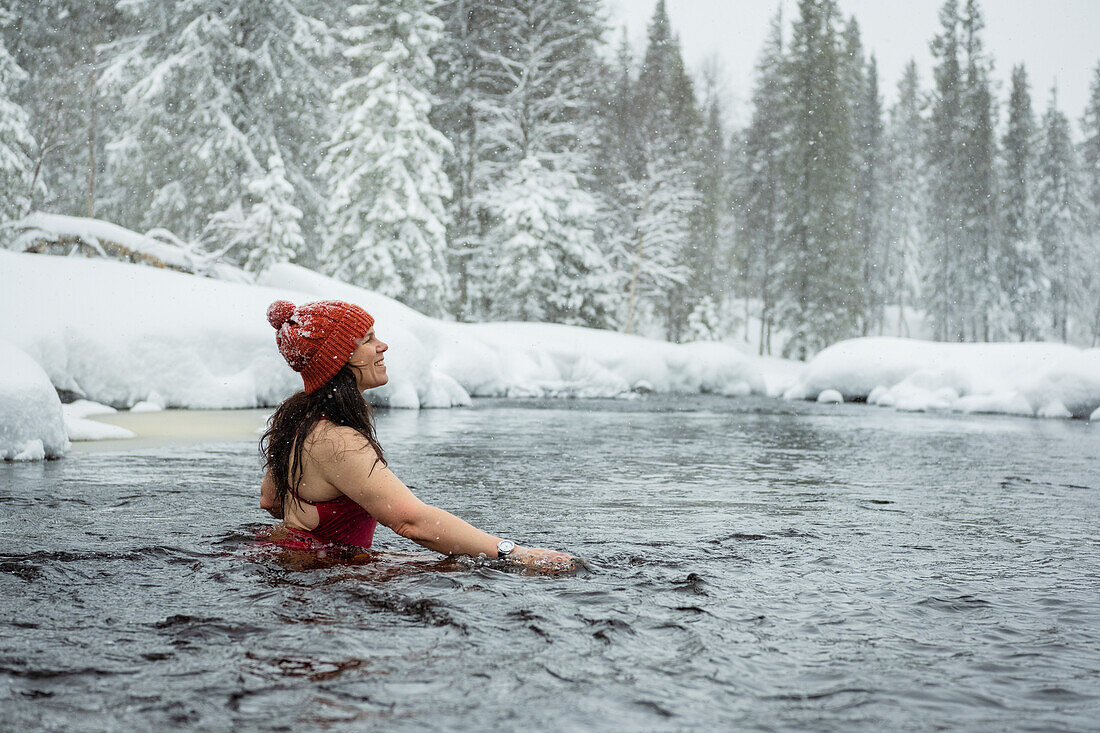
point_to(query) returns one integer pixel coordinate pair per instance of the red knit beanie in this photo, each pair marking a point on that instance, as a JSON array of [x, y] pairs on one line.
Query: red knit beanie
[[317, 339]]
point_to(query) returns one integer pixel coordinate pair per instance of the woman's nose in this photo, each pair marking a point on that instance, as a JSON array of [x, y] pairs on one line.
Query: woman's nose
[[383, 346]]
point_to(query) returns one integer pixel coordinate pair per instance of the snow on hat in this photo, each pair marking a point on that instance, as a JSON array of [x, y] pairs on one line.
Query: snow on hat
[[317, 339]]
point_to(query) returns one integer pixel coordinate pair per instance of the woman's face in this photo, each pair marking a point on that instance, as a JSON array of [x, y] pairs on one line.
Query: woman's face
[[368, 362]]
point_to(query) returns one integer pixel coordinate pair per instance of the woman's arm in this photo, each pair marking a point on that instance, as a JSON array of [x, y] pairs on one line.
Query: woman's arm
[[348, 463], [268, 500]]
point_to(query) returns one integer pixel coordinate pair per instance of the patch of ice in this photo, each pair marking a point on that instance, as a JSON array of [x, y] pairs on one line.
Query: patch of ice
[[81, 429]]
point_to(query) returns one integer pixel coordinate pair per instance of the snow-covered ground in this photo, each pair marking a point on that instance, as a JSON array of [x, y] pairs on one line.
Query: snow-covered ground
[[123, 334], [1034, 379], [31, 423]]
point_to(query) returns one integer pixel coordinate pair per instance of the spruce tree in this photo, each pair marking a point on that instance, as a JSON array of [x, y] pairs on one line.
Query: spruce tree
[[460, 85], [905, 188], [758, 184], [1019, 261], [820, 272], [1090, 176], [708, 260], [17, 179], [269, 232], [978, 179], [384, 163], [665, 193], [870, 217], [1058, 204], [944, 267], [534, 146]]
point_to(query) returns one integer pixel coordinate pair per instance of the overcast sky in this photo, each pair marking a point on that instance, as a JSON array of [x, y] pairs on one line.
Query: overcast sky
[[1055, 39]]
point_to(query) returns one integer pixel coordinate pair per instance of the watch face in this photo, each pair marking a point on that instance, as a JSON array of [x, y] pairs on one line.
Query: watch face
[[505, 546]]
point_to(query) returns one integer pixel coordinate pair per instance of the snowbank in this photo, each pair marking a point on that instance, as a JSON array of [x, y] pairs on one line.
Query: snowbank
[[530, 359], [1035, 379], [122, 334], [31, 423]]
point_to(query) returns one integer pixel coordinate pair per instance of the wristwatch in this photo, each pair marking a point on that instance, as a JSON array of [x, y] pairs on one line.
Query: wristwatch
[[505, 548]]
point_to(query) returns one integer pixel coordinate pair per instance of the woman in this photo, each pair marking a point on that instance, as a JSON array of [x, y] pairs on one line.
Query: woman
[[326, 475]]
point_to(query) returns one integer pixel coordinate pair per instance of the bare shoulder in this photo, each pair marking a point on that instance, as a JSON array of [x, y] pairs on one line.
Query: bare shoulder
[[330, 442]]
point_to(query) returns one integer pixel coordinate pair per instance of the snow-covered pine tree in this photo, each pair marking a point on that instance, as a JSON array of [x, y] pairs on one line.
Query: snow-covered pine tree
[[979, 184], [63, 46], [206, 84], [618, 138], [17, 179], [665, 190], [1059, 219], [269, 232], [550, 268], [1020, 312], [820, 274], [944, 270], [384, 163], [905, 193], [537, 155], [1090, 176], [865, 111], [709, 261], [661, 206], [758, 183], [460, 83], [871, 211]]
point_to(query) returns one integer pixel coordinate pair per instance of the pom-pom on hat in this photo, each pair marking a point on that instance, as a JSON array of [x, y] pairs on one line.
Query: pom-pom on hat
[[317, 339]]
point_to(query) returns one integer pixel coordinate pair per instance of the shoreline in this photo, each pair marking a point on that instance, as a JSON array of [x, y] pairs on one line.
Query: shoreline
[[178, 427]]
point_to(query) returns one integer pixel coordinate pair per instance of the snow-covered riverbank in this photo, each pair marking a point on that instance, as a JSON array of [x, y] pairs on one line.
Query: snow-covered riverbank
[[134, 336]]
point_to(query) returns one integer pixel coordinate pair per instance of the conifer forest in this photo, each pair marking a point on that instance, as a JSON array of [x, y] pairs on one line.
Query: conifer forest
[[522, 160]]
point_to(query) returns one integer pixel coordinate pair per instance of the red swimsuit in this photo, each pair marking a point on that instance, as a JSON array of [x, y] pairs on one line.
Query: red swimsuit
[[343, 521], [340, 521]]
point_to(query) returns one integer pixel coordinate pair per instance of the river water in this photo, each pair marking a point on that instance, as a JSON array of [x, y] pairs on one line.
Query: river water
[[751, 564]]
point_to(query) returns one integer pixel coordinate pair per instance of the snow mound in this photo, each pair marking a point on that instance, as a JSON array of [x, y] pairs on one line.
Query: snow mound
[[830, 397], [1033, 379], [32, 426]]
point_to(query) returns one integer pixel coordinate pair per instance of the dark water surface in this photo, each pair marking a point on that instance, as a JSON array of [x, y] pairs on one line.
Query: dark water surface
[[751, 565]]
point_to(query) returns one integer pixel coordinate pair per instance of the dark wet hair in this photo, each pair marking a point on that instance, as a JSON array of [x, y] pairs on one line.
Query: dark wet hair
[[339, 400]]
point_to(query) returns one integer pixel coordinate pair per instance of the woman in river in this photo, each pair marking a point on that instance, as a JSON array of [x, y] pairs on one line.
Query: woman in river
[[327, 478]]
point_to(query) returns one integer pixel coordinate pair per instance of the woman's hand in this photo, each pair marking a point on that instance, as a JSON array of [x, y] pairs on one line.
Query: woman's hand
[[539, 558]]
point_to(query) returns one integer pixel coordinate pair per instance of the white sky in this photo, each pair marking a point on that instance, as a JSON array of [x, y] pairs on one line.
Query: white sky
[[1055, 39]]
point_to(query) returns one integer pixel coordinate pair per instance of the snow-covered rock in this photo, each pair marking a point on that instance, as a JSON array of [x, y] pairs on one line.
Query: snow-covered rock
[[1035, 379], [32, 426]]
